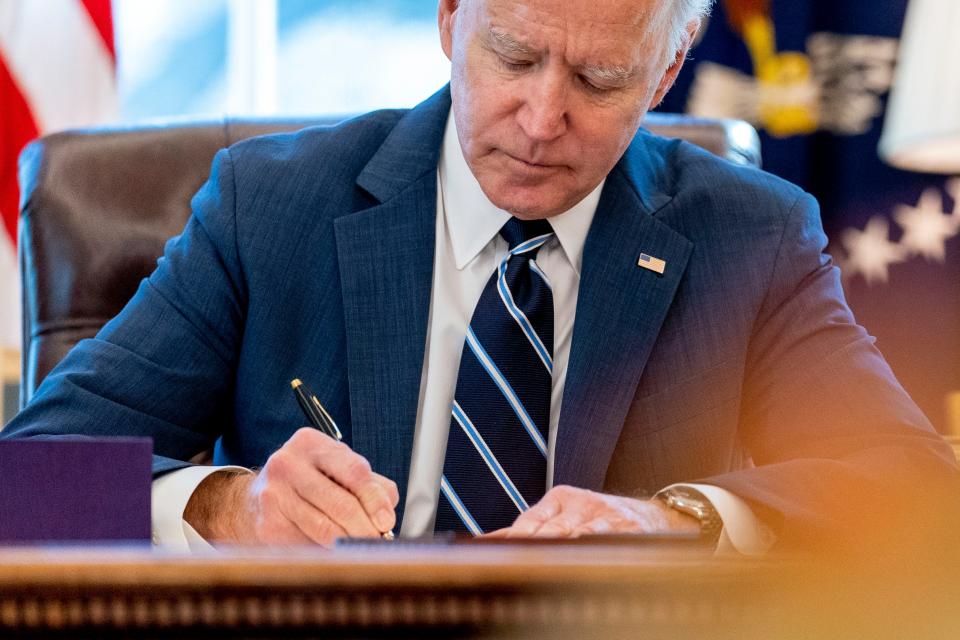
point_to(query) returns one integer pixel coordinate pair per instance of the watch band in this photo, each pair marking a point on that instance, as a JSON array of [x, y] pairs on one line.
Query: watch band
[[693, 503]]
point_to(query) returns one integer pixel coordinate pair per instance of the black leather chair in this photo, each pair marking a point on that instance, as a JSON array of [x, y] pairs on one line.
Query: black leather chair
[[98, 206]]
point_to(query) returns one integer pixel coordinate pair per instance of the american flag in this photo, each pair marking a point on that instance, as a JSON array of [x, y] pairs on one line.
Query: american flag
[[57, 71], [653, 264]]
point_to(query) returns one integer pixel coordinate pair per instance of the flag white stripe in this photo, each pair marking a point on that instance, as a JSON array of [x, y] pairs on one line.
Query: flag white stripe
[[9, 295], [64, 70], [59, 60]]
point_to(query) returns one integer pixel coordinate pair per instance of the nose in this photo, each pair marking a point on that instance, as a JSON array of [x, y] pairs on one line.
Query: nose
[[543, 115]]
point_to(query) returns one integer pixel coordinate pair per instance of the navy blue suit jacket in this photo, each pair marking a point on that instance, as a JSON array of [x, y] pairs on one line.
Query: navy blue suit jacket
[[311, 255]]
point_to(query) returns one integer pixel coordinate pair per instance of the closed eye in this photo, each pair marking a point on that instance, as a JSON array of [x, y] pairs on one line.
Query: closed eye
[[514, 65], [591, 86]]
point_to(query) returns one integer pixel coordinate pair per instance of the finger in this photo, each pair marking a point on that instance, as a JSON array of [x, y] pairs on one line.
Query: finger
[[316, 526], [352, 472], [390, 486], [332, 500], [284, 533], [499, 533], [288, 533], [289, 477], [570, 508], [562, 526], [272, 526], [530, 521]]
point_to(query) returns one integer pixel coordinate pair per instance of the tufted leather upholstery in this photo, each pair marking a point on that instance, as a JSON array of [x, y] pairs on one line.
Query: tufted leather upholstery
[[98, 205]]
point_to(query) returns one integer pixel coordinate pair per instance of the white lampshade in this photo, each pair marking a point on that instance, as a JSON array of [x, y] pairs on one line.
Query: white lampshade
[[922, 129]]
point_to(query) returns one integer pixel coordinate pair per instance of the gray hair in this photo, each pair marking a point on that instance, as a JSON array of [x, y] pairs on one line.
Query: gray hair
[[683, 12]]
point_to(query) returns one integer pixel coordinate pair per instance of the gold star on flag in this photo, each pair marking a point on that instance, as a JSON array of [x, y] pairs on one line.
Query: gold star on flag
[[870, 252], [927, 227]]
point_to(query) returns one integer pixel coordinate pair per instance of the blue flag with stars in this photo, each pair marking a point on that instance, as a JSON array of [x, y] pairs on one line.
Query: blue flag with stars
[[813, 77]]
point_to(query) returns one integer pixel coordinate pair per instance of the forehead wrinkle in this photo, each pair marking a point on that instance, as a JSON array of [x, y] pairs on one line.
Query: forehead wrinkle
[[644, 24], [606, 73]]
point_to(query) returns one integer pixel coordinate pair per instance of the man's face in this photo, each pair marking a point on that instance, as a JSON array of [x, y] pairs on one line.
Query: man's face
[[548, 94]]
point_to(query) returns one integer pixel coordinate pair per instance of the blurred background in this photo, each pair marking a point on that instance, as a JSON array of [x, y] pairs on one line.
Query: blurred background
[[204, 58], [815, 78]]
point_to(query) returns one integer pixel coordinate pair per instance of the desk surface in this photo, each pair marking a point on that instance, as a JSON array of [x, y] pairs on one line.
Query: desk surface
[[466, 591], [407, 591]]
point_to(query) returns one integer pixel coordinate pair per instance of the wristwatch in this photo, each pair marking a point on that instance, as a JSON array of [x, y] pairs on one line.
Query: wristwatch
[[693, 503]]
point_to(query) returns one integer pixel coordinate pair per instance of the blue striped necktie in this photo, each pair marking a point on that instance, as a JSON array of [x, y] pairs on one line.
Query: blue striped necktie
[[496, 461]]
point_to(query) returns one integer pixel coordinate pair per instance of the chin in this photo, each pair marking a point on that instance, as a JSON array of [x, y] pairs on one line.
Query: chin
[[529, 208], [528, 204]]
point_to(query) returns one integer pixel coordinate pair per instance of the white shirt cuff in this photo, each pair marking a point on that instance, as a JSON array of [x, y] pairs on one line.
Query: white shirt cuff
[[743, 532], [170, 494]]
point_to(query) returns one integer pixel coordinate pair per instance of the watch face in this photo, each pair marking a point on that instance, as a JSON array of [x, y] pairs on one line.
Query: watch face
[[689, 506], [695, 504]]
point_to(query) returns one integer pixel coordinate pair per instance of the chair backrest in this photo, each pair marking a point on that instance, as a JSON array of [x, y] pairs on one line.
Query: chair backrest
[[98, 206]]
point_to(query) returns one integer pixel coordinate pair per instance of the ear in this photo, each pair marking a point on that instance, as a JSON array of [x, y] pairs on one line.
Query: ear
[[670, 75], [446, 11]]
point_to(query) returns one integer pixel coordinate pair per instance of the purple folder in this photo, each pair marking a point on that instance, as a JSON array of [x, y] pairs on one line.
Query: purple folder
[[76, 489]]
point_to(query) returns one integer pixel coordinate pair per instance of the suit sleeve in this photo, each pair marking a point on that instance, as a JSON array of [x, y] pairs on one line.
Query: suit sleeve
[[841, 452], [164, 366]]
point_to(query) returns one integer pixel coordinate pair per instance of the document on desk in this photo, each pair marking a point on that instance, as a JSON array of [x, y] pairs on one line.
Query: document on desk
[[685, 541], [75, 490]]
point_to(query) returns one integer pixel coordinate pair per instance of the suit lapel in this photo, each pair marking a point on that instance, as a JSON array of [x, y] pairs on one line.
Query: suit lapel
[[620, 309], [385, 256]]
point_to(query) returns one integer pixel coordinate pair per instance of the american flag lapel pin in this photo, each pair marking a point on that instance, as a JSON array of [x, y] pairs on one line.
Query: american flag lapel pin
[[653, 264]]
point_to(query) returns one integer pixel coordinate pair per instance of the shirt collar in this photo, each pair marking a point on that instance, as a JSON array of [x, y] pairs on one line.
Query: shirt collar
[[473, 221]]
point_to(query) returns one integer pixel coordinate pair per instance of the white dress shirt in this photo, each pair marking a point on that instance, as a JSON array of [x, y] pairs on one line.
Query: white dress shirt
[[468, 250]]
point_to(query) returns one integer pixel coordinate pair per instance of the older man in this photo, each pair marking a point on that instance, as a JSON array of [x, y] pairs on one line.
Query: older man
[[528, 319]]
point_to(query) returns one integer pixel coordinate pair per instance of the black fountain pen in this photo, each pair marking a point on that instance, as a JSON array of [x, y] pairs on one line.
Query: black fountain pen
[[320, 419]]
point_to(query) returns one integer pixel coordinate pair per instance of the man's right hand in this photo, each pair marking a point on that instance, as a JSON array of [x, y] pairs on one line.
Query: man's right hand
[[311, 490]]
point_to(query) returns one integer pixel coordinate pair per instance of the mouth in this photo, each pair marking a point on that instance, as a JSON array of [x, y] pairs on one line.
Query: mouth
[[534, 166]]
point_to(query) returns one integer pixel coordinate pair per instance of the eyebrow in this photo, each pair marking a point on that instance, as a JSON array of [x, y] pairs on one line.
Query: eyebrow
[[508, 44], [614, 75]]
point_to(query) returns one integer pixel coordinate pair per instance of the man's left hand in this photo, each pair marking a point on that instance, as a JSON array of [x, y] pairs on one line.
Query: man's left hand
[[569, 512]]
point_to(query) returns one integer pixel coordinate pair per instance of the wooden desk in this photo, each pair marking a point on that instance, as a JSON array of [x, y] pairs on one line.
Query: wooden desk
[[555, 592], [477, 591]]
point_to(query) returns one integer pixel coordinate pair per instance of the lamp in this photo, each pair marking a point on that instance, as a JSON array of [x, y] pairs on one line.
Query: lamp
[[922, 128]]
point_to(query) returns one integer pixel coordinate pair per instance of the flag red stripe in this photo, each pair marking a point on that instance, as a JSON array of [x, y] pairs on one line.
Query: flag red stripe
[[18, 129], [99, 11]]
